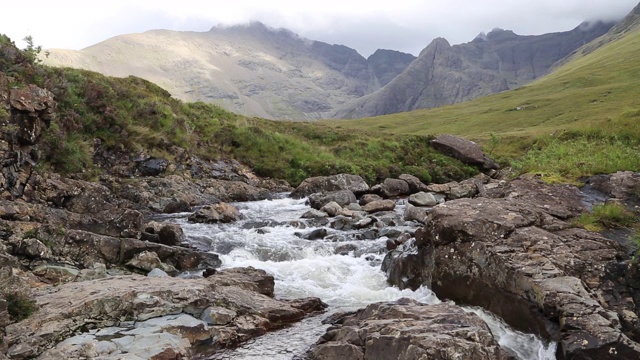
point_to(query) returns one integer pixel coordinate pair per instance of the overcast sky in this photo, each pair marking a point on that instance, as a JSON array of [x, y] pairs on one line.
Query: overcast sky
[[405, 25]]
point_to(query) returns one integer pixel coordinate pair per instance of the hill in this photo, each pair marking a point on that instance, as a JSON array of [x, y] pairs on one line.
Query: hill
[[252, 69], [587, 112], [493, 62]]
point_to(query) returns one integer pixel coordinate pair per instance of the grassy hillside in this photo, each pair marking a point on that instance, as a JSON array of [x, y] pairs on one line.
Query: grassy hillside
[[588, 107], [131, 114]]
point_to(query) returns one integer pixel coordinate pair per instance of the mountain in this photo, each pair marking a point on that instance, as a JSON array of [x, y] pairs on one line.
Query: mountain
[[493, 62], [251, 69]]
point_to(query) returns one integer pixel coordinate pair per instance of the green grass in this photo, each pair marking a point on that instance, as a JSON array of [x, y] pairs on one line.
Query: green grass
[[607, 216]]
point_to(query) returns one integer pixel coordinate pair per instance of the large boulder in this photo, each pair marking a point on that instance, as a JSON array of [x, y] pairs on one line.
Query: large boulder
[[406, 329], [464, 150], [353, 183], [342, 198], [519, 257], [423, 199], [415, 185]]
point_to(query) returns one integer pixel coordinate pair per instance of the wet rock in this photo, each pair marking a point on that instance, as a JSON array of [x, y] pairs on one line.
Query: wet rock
[[313, 235], [345, 249], [391, 244], [221, 212], [464, 150], [314, 214], [366, 222], [423, 199], [406, 329], [342, 198], [167, 233], [152, 166], [155, 303], [367, 198], [517, 257], [318, 184], [380, 205], [217, 315], [343, 223], [332, 209]]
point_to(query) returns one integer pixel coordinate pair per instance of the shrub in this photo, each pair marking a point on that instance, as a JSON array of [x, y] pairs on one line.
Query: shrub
[[19, 305]]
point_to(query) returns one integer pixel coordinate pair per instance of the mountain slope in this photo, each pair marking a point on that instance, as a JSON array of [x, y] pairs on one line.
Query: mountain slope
[[596, 92], [491, 63], [253, 70]]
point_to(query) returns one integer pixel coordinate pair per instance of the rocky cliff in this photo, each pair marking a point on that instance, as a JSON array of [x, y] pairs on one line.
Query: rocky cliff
[[493, 62]]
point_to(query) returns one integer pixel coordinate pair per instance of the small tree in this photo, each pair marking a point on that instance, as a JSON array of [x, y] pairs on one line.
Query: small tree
[[33, 51]]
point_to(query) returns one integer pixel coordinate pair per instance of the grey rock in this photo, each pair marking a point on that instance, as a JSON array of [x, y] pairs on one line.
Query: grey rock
[[464, 150], [423, 199], [415, 185], [391, 188], [412, 213], [380, 205], [221, 212], [332, 208], [341, 197], [353, 183], [217, 315], [367, 198], [314, 214], [157, 273]]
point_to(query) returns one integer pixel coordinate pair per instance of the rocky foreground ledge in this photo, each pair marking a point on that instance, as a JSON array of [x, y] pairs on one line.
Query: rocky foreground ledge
[[516, 253], [152, 318]]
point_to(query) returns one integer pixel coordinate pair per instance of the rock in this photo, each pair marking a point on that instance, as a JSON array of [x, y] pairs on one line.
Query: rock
[[314, 214], [366, 222], [412, 213], [221, 212], [391, 245], [332, 208], [318, 184], [217, 315], [169, 305], [464, 150], [57, 274], [415, 185], [171, 234], [439, 188], [313, 235], [367, 198], [157, 273], [517, 257], [380, 205], [34, 248], [148, 261], [4, 313], [423, 199], [342, 198], [406, 329], [391, 188], [152, 166], [355, 207], [464, 189]]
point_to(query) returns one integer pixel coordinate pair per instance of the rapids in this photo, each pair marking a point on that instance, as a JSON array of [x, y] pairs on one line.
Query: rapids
[[340, 269]]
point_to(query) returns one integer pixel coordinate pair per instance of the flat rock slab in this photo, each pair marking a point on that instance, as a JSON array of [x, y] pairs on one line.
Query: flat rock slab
[[407, 330], [65, 309]]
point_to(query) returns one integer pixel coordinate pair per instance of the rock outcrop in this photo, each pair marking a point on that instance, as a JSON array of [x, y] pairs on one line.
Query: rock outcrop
[[74, 308], [516, 254], [464, 150], [406, 329]]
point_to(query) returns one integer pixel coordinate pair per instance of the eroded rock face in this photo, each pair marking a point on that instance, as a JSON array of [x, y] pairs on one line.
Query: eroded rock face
[[406, 329], [115, 301], [519, 257], [353, 183]]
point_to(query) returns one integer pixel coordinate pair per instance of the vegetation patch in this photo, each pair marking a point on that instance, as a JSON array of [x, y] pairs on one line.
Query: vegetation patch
[[607, 216], [19, 305]]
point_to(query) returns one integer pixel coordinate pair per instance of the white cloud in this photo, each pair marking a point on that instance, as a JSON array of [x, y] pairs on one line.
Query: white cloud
[[406, 25]]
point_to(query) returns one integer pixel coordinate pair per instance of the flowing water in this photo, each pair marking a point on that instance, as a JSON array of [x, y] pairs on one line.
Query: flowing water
[[341, 270]]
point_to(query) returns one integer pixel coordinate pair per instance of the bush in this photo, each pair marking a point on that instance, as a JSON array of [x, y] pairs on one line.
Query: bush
[[19, 305]]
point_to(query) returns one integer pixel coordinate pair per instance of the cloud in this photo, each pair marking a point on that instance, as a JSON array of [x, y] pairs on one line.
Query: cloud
[[407, 25]]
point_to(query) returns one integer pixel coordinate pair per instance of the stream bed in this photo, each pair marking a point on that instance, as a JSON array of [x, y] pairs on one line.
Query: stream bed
[[342, 269]]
